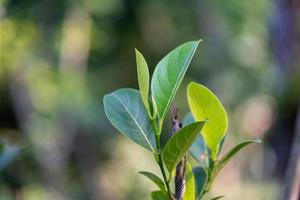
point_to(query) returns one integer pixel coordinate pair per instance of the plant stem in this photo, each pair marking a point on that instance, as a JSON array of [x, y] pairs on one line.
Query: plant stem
[[181, 166], [159, 160], [210, 178], [161, 165]]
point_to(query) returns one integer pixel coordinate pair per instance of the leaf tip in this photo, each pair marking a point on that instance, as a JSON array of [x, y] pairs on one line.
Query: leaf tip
[[192, 84], [105, 98], [197, 41], [200, 123], [137, 52], [258, 140]]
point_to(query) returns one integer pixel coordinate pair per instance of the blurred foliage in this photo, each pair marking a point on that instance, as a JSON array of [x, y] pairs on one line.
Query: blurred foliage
[[58, 59]]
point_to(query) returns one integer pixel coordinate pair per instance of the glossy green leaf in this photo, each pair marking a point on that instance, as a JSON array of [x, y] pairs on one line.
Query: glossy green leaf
[[143, 78], [220, 164], [201, 180], [155, 179], [179, 144], [189, 193], [168, 75], [125, 110], [159, 195], [198, 148], [218, 197], [205, 105]]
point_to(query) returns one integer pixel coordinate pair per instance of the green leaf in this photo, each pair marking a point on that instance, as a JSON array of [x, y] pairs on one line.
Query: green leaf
[[159, 195], [154, 108], [179, 144], [201, 180], [221, 144], [199, 151], [220, 164], [206, 106], [155, 179], [198, 148], [188, 119], [189, 193], [218, 197], [168, 75], [143, 78], [125, 110]]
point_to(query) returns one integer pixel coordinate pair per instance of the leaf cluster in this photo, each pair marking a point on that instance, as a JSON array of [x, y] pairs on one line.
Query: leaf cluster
[[140, 115]]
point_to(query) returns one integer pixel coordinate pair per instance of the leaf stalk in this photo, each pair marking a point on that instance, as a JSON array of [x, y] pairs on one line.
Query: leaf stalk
[[158, 156]]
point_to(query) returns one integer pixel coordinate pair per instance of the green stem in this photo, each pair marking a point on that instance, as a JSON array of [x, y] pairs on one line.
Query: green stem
[[159, 159], [210, 179], [161, 165]]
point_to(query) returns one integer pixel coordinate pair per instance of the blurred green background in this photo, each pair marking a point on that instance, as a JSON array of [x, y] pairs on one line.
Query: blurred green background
[[58, 59]]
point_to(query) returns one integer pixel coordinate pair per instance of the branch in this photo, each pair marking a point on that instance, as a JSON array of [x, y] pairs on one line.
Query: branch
[[181, 167]]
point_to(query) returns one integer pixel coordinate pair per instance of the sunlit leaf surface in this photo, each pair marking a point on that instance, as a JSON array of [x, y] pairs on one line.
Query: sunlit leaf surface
[[205, 105], [169, 73], [143, 77]]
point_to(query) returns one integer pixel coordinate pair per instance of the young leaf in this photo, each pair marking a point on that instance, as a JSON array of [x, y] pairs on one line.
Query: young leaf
[[179, 143], [189, 193], [159, 195], [155, 179], [201, 180], [206, 106], [231, 153], [168, 75], [143, 78], [198, 148], [125, 110]]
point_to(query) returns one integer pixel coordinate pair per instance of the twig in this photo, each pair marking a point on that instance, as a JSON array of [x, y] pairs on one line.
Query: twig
[[181, 167]]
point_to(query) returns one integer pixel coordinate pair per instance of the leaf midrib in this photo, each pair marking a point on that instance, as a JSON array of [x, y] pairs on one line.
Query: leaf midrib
[[146, 138], [184, 146], [178, 80]]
